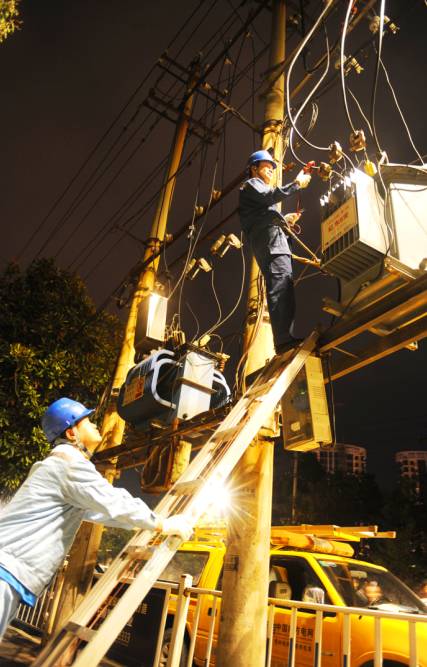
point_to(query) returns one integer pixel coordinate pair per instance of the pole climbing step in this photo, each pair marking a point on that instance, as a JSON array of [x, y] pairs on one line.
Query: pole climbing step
[[190, 496]]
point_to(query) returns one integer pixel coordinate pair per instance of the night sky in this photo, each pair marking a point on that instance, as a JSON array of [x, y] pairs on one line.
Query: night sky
[[71, 70]]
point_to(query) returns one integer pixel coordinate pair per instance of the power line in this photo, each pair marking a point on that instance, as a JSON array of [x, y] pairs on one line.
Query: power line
[[103, 138]]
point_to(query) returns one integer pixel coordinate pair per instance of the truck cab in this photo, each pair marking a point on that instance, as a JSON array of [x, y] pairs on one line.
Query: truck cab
[[312, 565]]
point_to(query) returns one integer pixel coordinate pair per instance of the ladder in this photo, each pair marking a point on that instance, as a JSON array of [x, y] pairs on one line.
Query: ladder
[[145, 557]]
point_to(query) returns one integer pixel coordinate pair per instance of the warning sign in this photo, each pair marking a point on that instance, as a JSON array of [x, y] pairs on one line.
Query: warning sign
[[134, 390], [337, 224]]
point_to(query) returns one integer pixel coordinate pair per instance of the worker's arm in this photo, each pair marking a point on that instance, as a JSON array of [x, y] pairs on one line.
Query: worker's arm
[[255, 192], [84, 487]]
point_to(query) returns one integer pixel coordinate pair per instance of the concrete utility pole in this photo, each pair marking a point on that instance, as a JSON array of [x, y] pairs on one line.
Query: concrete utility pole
[[79, 573], [243, 624]]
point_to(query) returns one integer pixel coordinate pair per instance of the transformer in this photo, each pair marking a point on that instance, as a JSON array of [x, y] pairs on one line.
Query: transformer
[[355, 238], [168, 385], [367, 220], [405, 209]]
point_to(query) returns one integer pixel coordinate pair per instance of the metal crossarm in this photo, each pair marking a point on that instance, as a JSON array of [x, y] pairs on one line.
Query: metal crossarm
[[144, 557]]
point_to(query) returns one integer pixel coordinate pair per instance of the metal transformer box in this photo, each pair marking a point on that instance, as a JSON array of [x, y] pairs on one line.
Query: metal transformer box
[[169, 385], [355, 238], [406, 212], [150, 323], [305, 416]]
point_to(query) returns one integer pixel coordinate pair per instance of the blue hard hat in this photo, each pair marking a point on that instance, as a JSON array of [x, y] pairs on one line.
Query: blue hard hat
[[261, 156], [62, 414]]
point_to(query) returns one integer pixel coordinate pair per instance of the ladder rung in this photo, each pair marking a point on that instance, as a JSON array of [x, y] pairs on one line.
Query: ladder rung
[[186, 488], [226, 433], [138, 553], [80, 631], [260, 389]]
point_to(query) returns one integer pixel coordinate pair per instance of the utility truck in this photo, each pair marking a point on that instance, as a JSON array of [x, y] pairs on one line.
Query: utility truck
[[309, 566]]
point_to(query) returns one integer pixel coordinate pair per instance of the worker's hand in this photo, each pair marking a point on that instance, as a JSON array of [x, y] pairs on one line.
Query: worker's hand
[[303, 179], [177, 525], [292, 218]]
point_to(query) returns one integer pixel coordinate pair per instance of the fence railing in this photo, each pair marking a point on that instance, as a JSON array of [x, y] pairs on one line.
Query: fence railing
[[173, 617]]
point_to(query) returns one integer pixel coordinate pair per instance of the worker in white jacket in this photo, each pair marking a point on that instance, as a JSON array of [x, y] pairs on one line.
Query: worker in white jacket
[[39, 524]]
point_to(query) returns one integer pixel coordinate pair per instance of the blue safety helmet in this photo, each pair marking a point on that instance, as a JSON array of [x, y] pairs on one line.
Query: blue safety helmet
[[261, 156], [62, 414]]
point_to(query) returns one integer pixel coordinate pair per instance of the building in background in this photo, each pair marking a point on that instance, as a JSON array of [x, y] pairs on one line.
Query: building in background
[[350, 459], [413, 465]]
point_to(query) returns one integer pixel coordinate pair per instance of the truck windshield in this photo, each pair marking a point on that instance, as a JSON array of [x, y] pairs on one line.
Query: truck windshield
[[185, 562], [362, 586]]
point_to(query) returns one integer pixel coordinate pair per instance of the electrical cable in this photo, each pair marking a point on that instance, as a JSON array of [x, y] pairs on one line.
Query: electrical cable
[[308, 98], [294, 120], [220, 322], [342, 63], [376, 76], [113, 221], [141, 141], [101, 141], [115, 243], [401, 112], [365, 118]]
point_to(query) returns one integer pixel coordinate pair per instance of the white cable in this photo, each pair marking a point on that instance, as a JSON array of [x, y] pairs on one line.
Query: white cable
[[306, 101], [233, 310], [365, 118], [297, 54], [401, 113], [342, 62]]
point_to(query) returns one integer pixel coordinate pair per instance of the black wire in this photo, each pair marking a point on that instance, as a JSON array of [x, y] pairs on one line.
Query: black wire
[[100, 142], [87, 189], [93, 206], [146, 206]]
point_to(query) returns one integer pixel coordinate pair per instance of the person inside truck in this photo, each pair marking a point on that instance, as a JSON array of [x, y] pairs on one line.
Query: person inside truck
[[373, 593], [278, 586]]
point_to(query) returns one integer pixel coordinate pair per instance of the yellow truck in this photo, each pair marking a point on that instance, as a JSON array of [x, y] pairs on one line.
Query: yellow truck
[[307, 564]]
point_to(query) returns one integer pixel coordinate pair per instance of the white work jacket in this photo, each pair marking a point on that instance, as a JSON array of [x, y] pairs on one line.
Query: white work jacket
[[38, 525]]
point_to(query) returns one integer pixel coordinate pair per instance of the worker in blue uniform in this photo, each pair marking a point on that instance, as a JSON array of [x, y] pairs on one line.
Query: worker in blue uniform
[[39, 524], [262, 224]]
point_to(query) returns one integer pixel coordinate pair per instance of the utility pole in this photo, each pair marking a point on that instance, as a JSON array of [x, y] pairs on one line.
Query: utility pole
[[82, 560], [243, 624]]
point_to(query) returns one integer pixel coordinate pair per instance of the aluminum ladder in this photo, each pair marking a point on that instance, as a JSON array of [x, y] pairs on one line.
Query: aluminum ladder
[[189, 496]]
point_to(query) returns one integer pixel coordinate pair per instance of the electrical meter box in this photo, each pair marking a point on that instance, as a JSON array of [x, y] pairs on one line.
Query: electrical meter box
[[305, 415], [150, 323]]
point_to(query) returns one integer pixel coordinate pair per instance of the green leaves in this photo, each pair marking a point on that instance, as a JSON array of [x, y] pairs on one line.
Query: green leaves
[[8, 18], [53, 344]]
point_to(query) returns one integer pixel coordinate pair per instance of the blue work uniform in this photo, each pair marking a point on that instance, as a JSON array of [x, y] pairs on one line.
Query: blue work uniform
[[260, 220]]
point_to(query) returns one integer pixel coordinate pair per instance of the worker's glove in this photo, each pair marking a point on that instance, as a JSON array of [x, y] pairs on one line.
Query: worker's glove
[[177, 525], [292, 218], [302, 179]]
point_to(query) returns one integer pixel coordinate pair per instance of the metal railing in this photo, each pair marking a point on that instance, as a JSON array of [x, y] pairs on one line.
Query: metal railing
[[40, 617], [182, 631]]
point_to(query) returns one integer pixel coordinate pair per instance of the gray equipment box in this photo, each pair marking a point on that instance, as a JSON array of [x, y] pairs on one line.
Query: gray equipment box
[[305, 415], [355, 238], [150, 323]]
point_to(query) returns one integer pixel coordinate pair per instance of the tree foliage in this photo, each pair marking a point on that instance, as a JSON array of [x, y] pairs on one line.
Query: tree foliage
[[54, 343], [9, 21]]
